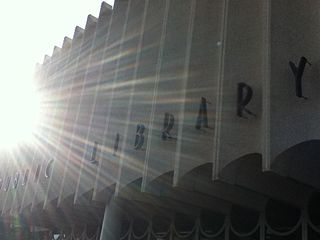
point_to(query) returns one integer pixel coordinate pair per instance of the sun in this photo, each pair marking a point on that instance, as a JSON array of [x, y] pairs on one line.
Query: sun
[[19, 111]]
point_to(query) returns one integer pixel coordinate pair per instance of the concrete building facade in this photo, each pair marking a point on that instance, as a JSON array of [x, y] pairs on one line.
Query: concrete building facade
[[175, 119]]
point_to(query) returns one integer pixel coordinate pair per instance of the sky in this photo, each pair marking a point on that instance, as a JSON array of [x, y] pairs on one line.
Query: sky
[[29, 30]]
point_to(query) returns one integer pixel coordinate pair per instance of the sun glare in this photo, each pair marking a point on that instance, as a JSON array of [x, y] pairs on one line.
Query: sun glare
[[29, 36], [19, 108]]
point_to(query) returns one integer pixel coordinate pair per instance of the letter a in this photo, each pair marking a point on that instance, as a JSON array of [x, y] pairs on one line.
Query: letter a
[[202, 119]]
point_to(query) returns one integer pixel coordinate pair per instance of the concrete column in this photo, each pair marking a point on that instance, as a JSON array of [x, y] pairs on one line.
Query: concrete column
[[262, 233], [227, 228], [111, 221], [304, 225]]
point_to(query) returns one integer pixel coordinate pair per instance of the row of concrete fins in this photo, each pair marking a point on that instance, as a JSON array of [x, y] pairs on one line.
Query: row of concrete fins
[[160, 59], [54, 81]]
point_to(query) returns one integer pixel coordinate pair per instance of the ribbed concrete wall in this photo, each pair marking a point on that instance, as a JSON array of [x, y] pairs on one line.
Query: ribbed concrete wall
[[55, 116], [195, 139], [241, 62], [64, 125], [108, 163], [149, 90], [292, 119], [74, 153], [169, 83], [147, 59], [89, 127]]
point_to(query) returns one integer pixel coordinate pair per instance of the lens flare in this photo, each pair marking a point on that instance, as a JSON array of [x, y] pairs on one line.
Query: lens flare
[[20, 111]]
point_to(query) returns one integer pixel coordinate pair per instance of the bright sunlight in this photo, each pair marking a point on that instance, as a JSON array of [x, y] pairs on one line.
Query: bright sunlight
[[20, 111], [33, 29]]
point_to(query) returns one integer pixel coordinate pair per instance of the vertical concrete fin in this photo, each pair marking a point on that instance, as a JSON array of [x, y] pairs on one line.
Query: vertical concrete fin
[[37, 67], [104, 8], [157, 69], [138, 11], [77, 76], [93, 76], [46, 59], [53, 186], [76, 132], [266, 154], [56, 50], [106, 177], [66, 42], [105, 11], [216, 143], [197, 115], [90, 20], [181, 115], [171, 66], [228, 119], [78, 32]]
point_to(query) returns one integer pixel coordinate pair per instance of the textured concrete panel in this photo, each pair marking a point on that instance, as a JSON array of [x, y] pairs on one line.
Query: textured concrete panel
[[293, 120], [108, 164], [167, 99], [195, 140], [133, 158], [61, 140], [74, 153], [89, 130], [242, 62]]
